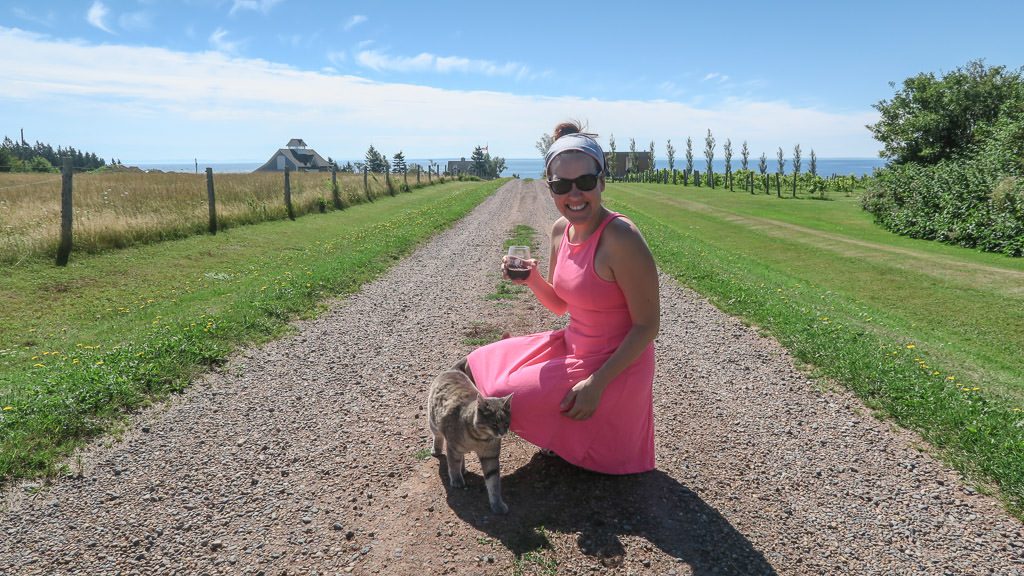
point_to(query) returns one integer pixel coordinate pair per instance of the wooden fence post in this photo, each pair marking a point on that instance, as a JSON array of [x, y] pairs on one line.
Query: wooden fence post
[[210, 199], [366, 184], [64, 250], [417, 174], [335, 193], [288, 193], [387, 182], [405, 179]]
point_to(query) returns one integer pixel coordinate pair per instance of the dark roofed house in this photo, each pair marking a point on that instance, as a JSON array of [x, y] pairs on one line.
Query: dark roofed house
[[456, 167], [296, 156], [617, 165]]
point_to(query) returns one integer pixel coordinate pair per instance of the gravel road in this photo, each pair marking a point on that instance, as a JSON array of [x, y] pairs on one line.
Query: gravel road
[[304, 456]]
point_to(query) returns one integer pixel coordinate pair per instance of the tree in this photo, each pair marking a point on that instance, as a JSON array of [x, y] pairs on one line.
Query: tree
[[610, 163], [375, 161], [762, 165], [930, 119], [670, 152], [480, 162], [727, 150], [650, 165], [813, 169], [689, 160], [631, 165], [796, 167], [709, 155], [544, 144], [781, 171], [744, 155], [398, 163]]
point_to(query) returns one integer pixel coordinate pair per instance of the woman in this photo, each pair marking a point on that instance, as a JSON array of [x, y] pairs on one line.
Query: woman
[[584, 392]]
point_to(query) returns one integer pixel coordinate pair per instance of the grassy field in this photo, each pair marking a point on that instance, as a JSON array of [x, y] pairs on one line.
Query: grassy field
[[925, 333], [80, 345], [118, 209]]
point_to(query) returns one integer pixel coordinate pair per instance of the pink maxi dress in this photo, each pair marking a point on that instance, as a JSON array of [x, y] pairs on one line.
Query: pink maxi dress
[[539, 369]]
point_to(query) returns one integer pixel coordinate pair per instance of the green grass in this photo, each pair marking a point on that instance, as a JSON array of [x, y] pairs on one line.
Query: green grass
[[81, 345], [925, 333]]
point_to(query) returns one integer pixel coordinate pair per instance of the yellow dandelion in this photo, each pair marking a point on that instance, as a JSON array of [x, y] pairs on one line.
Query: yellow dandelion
[[935, 373], [99, 363], [975, 389], [911, 346], [35, 357], [75, 361], [6, 408], [950, 378], [38, 365]]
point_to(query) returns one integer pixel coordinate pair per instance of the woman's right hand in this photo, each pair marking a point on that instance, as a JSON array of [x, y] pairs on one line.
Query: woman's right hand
[[531, 263]]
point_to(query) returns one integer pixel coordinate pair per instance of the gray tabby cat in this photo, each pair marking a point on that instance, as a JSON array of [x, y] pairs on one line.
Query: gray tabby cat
[[462, 421]]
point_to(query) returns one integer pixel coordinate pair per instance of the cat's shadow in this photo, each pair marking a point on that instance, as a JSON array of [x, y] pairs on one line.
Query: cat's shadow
[[549, 495]]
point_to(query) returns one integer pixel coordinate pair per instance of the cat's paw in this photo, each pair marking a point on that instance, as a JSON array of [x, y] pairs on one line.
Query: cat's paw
[[499, 507], [458, 482]]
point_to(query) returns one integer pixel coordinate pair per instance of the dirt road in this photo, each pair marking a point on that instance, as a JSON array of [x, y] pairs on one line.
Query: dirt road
[[304, 456]]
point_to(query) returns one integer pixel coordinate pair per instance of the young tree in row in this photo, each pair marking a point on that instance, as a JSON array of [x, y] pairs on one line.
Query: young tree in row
[[709, 155], [612, 162], [727, 150], [796, 167], [670, 152], [744, 155], [780, 172], [813, 169], [689, 161], [631, 165], [650, 166], [762, 165]]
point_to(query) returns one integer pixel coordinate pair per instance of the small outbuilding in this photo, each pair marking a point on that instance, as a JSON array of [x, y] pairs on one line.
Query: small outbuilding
[[296, 156]]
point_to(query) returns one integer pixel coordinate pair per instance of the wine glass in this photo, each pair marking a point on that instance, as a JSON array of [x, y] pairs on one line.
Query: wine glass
[[515, 265]]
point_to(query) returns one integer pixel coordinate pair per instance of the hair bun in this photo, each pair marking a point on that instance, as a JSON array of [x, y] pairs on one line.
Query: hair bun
[[566, 128]]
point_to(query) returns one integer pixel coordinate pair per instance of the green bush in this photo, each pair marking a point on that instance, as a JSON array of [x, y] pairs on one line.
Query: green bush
[[974, 200]]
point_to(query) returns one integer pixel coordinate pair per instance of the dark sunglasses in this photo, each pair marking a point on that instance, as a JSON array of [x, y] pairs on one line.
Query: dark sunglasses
[[585, 183]]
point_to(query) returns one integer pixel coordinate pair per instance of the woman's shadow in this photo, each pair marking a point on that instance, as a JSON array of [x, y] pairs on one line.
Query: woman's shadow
[[548, 494]]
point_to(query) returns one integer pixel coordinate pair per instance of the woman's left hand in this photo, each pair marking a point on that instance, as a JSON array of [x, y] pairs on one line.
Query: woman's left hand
[[581, 402]]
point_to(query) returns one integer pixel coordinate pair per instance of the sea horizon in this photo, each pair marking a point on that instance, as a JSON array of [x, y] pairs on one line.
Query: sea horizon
[[532, 167]]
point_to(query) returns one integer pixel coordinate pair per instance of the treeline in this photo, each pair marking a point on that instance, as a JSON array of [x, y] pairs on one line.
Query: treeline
[[21, 157], [957, 150], [641, 166], [374, 161]]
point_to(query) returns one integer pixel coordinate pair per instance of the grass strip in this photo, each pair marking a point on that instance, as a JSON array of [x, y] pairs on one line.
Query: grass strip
[[79, 346], [980, 434]]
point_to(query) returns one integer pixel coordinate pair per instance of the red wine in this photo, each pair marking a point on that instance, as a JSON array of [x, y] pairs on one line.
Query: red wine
[[518, 273]]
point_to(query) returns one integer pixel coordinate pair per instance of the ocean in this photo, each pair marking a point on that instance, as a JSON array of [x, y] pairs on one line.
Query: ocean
[[533, 167]]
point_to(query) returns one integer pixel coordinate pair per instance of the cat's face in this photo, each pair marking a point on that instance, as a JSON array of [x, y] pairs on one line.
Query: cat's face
[[493, 415]]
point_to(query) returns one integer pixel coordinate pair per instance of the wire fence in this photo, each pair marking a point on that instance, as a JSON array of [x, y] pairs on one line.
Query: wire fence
[[112, 209]]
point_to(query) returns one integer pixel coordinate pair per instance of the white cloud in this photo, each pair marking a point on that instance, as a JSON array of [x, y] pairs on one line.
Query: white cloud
[[48, 19], [426, 62], [715, 76], [221, 107], [263, 6], [135, 20], [97, 15], [354, 21], [220, 42], [338, 57]]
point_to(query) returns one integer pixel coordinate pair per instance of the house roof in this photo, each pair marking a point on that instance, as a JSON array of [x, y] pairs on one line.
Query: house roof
[[307, 159], [296, 143]]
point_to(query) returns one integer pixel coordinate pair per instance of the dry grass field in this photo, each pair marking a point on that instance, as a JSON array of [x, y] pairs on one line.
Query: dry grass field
[[117, 209]]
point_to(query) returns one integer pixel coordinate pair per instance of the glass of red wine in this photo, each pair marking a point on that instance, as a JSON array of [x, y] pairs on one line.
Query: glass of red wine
[[516, 266]]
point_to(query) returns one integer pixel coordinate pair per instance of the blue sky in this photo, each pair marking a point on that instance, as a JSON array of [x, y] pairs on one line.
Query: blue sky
[[233, 80]]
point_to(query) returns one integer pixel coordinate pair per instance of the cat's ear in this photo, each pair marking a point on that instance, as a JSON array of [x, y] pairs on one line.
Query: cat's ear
[[505, 400]]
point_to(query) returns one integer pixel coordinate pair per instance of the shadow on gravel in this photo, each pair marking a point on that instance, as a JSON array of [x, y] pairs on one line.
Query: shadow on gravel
[[548, 494]]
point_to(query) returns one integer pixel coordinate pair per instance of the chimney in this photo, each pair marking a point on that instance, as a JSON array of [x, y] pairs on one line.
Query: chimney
[[23, 143]]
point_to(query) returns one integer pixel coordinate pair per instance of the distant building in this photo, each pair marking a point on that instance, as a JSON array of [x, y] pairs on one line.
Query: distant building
[[617, 165], [296, 156], [456, 167]]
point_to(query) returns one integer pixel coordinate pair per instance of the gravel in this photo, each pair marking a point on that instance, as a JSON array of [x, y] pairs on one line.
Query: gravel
[[304, 456]]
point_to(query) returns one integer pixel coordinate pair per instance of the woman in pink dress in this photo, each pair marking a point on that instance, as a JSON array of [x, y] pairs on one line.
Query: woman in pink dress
[[584, 392]]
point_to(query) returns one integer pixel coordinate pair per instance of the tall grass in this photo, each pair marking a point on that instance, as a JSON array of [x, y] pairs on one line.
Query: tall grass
[[119, 209]]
